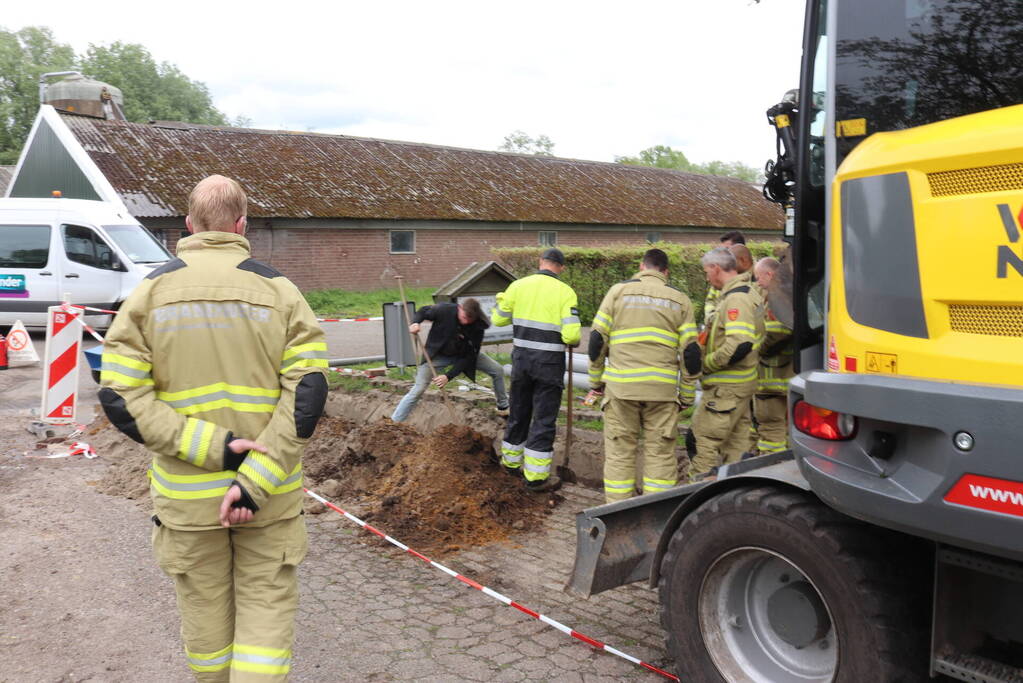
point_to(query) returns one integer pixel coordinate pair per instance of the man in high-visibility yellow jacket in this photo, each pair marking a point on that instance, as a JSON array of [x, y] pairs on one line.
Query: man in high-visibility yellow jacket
[[542, 310], [646, 330], [217, 364], [775, 371], [729, 367]]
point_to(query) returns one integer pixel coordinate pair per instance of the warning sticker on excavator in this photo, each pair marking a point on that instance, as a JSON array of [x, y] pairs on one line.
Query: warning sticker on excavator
[[882, 363]]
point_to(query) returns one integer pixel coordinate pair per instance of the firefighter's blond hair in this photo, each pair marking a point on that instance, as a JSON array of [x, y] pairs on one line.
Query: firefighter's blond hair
[[216, 203]]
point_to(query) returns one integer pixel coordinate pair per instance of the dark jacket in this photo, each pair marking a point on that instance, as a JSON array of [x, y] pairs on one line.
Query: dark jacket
[[450, 339]]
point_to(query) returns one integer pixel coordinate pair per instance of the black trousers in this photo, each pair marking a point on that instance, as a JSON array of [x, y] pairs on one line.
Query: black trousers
[[537, 383]]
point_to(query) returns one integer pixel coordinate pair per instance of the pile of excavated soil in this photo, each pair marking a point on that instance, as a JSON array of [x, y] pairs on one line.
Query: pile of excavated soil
[[436, 492]]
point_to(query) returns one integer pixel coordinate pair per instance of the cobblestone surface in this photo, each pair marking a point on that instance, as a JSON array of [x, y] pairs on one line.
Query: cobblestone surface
[[416, 622]]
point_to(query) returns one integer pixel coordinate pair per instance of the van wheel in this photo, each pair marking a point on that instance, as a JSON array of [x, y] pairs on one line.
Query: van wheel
[[768, 584]]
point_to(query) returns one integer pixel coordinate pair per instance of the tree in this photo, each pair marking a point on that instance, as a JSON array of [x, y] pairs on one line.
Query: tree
[[662, 156], [24, 56], [659, 156], [151, 91], [521, 143]]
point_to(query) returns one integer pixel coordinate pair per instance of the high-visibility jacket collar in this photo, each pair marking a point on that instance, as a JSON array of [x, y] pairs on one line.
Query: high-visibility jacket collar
[[544, 271], [214, 239], [654, 274], [739, 280]]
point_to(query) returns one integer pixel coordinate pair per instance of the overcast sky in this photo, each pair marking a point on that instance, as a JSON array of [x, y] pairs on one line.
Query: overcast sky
[[599, 78]]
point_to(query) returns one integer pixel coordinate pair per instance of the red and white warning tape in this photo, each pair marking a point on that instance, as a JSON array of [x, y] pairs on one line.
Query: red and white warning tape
[[494, 594], [76, 448], [90, 308], [81, 318], [348, 320]]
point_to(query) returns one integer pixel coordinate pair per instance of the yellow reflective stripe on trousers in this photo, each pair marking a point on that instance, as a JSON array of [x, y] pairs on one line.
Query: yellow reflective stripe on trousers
[[261, 660], [209, 661], [536, 464], [268, 474], [771, 446], [620, 485], [641, 334], [665, 375], [189, 486], [311, 355], [730, 376], [128, 372], [658, 484], [195, 441], [221, 395]]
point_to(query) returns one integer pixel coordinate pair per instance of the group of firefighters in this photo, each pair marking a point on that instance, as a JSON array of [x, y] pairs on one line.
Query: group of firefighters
[[226, 403], [647, 356]]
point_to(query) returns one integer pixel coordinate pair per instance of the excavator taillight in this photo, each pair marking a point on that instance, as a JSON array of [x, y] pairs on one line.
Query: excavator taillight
[[823, 423]]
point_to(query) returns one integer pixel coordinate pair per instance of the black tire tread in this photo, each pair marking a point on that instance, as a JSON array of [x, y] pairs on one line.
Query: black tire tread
[[866, 551]]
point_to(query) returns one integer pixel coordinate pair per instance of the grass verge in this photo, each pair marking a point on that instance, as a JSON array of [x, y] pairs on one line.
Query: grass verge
[[340, 303]]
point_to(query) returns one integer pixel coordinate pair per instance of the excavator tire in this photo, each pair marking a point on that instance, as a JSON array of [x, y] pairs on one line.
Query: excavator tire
[[764, 583]]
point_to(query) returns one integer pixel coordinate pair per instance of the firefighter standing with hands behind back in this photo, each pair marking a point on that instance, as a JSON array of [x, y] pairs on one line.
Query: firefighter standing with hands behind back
[[217, 364]]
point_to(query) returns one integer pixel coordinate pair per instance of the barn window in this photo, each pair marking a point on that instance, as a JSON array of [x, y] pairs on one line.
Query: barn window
[[403, 241], [548, 238]]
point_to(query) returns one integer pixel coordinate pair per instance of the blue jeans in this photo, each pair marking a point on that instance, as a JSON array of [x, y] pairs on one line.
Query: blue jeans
[[484, 363], [489, 366]]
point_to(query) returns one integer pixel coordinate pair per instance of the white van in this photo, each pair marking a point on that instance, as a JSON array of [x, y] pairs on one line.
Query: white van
[[94, 253]]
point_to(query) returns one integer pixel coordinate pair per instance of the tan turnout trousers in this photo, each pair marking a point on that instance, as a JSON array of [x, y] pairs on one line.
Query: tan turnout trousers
[[623, 420], [720, 426], [237, 618]]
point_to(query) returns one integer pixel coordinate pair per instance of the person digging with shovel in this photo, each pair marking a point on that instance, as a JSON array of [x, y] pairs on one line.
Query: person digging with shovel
[[453, 346]]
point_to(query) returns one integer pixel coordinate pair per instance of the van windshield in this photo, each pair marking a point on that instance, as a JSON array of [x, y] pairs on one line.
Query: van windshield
[[138, 243]]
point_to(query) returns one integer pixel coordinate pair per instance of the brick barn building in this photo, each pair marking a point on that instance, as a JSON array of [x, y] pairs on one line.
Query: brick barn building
[[348, 212]]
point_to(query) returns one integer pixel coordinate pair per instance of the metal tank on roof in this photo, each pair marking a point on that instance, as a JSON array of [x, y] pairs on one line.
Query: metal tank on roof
[[82, 95]]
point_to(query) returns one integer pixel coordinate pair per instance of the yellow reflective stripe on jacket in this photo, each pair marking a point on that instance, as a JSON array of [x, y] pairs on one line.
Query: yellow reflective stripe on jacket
[[642, 334], [311, 355], [263, 470], [735, 327], [775, 326], [596, 375], [221, 395], [189, 486], [263, 660], [687, 333], [667, 375], [602, 321], [731, 376], [209, 661], [125, 371], [779, 384], [195, 441]]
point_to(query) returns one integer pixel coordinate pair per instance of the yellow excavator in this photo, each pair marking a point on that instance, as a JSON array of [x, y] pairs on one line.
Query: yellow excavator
[[887, 543]]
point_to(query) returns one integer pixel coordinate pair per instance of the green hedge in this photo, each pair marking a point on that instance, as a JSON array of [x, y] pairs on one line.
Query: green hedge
[[592, 270]]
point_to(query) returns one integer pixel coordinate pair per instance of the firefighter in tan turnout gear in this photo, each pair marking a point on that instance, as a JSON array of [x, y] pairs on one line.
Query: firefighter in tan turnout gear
[[774, 371], [646, 330], [730, 361], [216, 364]]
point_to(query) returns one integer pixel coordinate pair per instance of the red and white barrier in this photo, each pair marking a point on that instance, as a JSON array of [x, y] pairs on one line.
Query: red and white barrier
[[492, 593], [60, 365], [81, 318]]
